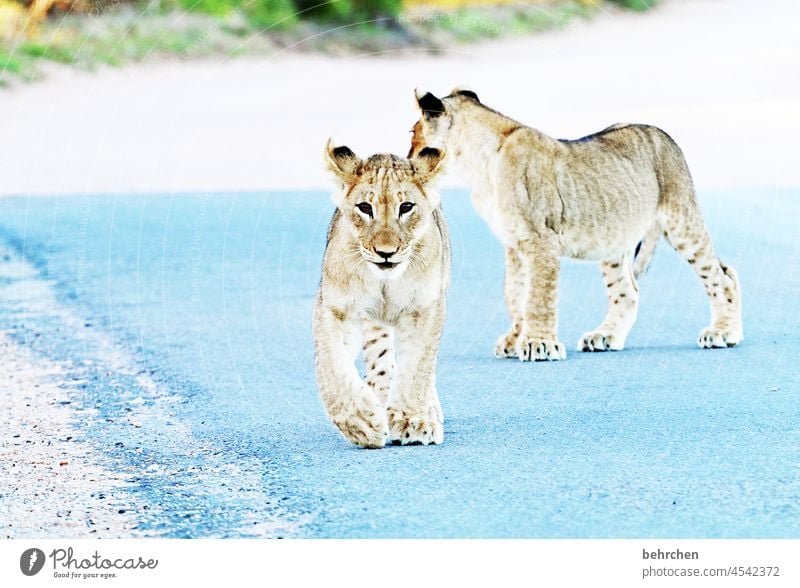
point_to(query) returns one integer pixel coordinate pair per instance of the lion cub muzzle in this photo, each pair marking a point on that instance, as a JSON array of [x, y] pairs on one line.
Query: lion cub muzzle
[[387, 262]]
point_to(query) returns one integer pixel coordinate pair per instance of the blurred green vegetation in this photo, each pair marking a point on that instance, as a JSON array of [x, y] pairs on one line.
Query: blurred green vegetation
[[640, 5], [94, 33], [349, 10], [10, 63], [468, 24], [263, 14]]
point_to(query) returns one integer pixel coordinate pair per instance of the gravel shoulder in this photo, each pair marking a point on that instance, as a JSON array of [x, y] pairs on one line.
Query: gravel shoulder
[[53, 484], [92, 446]]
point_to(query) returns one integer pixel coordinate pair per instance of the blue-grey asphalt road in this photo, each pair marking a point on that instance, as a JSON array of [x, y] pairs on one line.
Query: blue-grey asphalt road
[[210, 296]]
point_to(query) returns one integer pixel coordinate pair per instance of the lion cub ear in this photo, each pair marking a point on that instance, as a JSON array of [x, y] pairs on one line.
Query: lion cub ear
[[428, 163], [342, 161], [466, 92], [429, 104]]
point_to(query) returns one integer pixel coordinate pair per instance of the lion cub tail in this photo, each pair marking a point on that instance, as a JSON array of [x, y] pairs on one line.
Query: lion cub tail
[[645, 250]]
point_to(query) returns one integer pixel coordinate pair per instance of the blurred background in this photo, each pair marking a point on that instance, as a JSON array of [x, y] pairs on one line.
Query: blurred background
[[111, 96]]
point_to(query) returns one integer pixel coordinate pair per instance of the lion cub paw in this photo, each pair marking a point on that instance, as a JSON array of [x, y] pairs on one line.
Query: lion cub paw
[[533, 349], [365, 427], [507, 345], [714, 337], [408, 428], [600, 341]]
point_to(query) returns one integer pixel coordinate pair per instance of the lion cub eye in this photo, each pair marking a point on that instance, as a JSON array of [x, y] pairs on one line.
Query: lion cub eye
[[365, 207], [406, 207]]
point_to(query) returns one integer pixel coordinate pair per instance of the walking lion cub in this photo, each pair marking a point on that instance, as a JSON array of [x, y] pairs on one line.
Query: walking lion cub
[[385, 275], [608, 196]]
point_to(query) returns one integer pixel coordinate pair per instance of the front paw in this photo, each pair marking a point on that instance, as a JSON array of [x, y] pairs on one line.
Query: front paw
[[507, 345], [538, 349], [600, 341], [713, 337], [409, 428], [365, 426]]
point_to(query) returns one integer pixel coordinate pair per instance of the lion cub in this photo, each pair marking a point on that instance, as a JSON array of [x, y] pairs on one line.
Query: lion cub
[[609, 196], [385, 275]]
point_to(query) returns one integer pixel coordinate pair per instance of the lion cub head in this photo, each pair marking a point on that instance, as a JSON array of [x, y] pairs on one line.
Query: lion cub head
[[436, 118], [386, 202]]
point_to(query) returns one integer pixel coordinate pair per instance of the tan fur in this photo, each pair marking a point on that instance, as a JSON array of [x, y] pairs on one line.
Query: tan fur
[[395, 315], [593, 198]]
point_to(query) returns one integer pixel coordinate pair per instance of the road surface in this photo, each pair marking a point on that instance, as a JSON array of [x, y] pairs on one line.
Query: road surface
[[181, 325]]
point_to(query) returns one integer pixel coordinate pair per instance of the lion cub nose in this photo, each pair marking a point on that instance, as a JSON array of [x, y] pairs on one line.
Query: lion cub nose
[[384, 253]]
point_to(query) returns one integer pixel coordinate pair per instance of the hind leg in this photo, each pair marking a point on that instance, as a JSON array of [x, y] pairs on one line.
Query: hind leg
[[513, 289], [686, 232], [379, 360], [623, 304]]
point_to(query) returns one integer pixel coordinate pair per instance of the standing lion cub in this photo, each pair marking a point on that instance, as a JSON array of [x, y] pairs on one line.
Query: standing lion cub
[[608, 196], [385, 275]]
